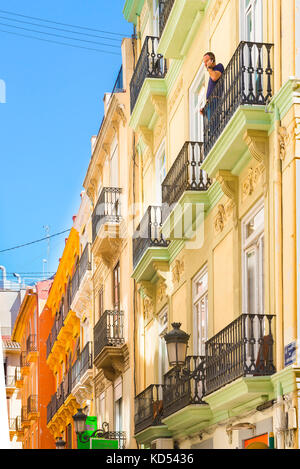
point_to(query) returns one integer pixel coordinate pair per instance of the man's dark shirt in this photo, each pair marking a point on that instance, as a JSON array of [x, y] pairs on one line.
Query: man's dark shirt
[[212, 83]]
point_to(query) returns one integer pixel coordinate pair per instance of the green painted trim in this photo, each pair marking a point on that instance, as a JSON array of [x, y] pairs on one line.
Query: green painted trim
[[174, 36], [286, 97], [245, 117], [144, 269], [152, 433], [132, 9], [172, 74], [143, 105], [287, 379]]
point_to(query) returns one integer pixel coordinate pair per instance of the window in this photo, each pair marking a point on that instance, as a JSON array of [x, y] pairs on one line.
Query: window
[[101, 410], [100, 302], [114, 164], [200, 307], [253, 261], [251, 24], [118, 405], [160, 170], [197, 101], [163, 363], [156, 18], [116, 287]]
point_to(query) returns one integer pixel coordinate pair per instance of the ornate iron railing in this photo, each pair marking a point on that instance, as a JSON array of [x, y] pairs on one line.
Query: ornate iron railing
[[148, 233], [108, 209], [18, 375], [184, 175], [165, 7], [109, 331], [23, 360], [31, 343], [32, 404], [149, 65], [148, 407], [185, 386], [84, 264], [18, 423], [57, 399], [24, 415], [247, 79], [244, 347], [82, 364]]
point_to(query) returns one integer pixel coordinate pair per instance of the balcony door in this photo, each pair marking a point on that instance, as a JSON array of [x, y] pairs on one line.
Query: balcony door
[[197, 102], [163, 364], [160, 170], [156, 18], [200, 307], [251, 24]]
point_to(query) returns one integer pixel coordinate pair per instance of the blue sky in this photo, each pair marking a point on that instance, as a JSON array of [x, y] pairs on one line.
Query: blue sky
[[54, 104]]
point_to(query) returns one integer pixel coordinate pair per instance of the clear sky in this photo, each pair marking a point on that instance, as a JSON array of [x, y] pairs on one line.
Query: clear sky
[[54, 104]]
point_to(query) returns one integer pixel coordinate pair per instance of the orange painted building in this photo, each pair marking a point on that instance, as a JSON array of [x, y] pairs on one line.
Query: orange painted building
[[32, 431], [63, 344]]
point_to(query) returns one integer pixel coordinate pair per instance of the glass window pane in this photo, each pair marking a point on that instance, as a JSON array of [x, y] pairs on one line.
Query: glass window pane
[[255, 223], [251, 267]]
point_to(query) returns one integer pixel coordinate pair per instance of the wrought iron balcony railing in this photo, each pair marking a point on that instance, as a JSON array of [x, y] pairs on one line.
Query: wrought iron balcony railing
[[31, 343], [148, 233], [107, 210], [83, 265], [19, 423], [32, 404], [18, 375], [118, 86], [184, 175], [109, 331], [23, 360], [149, 65], [244, 347], [12, 424], [247, 79], [149, 407], [184, 387], [82, 364], [58, 399], [24, 415], [165, 7]]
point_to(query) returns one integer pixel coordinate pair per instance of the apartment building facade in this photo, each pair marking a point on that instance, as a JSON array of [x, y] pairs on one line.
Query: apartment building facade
[[216, 241]]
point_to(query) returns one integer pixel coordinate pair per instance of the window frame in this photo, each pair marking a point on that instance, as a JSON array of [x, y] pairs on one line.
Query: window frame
[[196, 299]]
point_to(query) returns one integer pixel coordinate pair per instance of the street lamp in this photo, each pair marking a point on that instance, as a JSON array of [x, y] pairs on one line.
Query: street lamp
[[177, 342], [60, 443], [80, 428]]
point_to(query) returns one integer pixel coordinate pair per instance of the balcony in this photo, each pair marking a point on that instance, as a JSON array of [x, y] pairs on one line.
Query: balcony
[[110, 350], [12, 424], [31, 348], [149, 65], [237, 107], [81, 283], [178, 24], [59, 398], [19, 428], [25, 421], [82, 374], [24, 364], [83, 266], [185, 187], [148, 415], [244, 349], [32, 407], [184, 392], [148, 235]]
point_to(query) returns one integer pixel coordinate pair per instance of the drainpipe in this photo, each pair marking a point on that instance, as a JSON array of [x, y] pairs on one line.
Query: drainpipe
[[3, 275], [277, 185]]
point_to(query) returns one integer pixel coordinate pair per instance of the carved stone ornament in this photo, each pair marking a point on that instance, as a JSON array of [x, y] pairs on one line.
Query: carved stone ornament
[[250, 182], [257, 142], [229, 185], [177, 270]]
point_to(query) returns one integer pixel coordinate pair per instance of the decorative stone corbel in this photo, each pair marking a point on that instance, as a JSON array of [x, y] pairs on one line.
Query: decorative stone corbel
[[257, 142], [283, 138], [147, 136], [121, 114], [229, 185], [147, 291], [163, 272]]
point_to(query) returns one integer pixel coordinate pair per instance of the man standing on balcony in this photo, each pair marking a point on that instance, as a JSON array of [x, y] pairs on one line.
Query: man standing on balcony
[[215, 72]]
